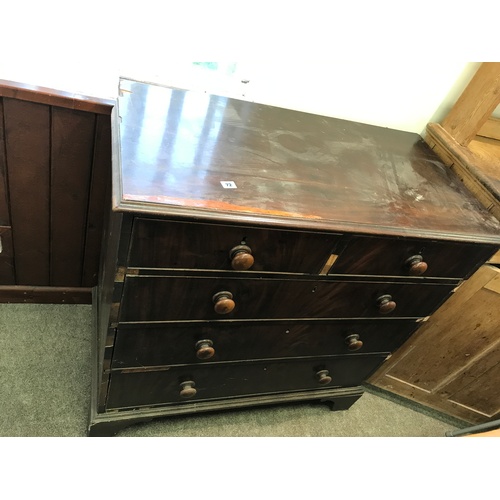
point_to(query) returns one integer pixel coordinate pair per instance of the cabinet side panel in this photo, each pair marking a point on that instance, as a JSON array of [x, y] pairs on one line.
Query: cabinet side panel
[[7, 275], [72, 145], [100, 186], [27, 146], [4, 202]]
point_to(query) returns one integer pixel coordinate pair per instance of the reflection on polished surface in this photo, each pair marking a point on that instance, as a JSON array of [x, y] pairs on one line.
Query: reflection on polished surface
[[178, 147], [171, 128]]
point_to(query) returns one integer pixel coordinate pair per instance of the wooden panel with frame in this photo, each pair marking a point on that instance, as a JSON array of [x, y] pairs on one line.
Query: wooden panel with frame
[[55, 169]]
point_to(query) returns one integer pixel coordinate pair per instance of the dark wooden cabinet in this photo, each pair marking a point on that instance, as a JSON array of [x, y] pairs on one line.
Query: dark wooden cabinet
[[257, 255], [55, 166]]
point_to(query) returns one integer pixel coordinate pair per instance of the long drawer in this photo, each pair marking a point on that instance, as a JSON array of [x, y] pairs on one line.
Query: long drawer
[[223, 380], [185, 343], [159, 298], [185, 245]]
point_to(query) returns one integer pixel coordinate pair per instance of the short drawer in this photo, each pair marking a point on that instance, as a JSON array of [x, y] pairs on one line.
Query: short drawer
[[224, 380], [181, 343], [367, 255], [183, 245], [155, 298]]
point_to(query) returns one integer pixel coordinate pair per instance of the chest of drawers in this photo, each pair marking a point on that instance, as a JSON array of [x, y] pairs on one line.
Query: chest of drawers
[[257, 255]]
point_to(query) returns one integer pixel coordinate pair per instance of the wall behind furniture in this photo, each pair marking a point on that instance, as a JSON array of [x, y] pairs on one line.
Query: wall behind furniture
[[374, 62], [404, 95]]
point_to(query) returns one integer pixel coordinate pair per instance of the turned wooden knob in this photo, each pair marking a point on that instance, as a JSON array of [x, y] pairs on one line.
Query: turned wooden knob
[[416, 265], [353, 342], [187, 389], [323, 377], [224, 302], [241, 258], [204, 349], [385, 304]]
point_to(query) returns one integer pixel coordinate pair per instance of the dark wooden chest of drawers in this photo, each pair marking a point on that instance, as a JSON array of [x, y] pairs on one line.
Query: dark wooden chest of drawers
[[257, 255]]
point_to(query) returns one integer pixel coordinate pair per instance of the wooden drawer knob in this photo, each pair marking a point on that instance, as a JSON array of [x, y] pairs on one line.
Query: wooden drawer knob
[[385, 304], [353, 342], [323, 377], [187, 389], [224, 302], [204, 349], [416, 265], [241, 258]]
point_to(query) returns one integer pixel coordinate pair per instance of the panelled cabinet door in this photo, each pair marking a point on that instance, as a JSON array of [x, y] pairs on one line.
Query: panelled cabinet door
[[453, 362], [55, 171]]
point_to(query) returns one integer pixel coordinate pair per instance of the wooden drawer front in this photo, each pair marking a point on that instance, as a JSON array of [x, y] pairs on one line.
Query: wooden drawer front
[[182, 343], [191, 298], [230, 379], [368, 255], [164, 244], [7, 274]]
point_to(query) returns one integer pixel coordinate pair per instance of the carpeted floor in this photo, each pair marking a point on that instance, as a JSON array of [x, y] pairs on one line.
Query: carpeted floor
[[45, 367]]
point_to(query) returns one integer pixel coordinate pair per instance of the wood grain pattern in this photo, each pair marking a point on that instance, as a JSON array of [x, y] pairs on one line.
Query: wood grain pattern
[[27, 137], [475, 386], [495, 259], [228, 379], [182, 298], [490, 129], [211, 166], [52, 97], [45, 295], [475, 105], [453, 353], [55, 168], [479, 176], [387, 257], [4, 200], [100, 187], [360, 177], [167, 244], [150, 345], [487, 153], [7, 270], [71, 164]]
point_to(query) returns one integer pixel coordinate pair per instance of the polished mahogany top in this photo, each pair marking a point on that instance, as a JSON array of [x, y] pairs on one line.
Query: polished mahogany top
[[186, 153]]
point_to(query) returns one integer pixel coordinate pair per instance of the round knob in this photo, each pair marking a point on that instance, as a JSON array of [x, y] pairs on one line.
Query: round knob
[[323, 377], [416, 265], [353, 342], [241, 258], [187, 389], [385, 304], [204, 349], [224, 302]]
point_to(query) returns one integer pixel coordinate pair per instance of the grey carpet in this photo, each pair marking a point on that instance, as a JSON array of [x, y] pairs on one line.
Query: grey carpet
[[45, 367]]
